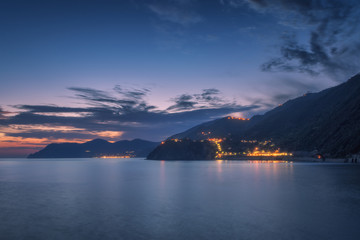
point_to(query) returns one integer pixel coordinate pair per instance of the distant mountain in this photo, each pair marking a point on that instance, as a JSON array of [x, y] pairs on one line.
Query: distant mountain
[[97, 148], [328, 122]]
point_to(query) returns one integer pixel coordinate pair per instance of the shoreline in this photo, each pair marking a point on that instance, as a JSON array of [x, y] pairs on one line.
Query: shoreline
[[292, 159]]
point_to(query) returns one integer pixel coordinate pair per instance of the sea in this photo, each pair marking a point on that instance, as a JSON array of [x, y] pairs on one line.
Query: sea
[[142, 199]]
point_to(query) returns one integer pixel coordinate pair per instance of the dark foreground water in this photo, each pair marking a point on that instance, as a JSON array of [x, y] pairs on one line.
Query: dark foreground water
[[138, 199]]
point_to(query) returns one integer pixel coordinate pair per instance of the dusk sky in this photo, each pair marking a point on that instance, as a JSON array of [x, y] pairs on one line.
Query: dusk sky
[[72, 71]]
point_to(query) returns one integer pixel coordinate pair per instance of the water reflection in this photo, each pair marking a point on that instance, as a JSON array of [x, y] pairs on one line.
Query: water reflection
[[219, 165], [137, 199], [162, 173], [268, 161]]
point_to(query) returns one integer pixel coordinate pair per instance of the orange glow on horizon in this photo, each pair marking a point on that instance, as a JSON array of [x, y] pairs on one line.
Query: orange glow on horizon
[[15, 145], [109, 134], [14, 142], [20, 128], [125, 156]]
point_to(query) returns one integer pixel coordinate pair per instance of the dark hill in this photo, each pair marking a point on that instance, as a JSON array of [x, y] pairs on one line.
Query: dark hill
[[223, 127], [96, 148], [327, 121]]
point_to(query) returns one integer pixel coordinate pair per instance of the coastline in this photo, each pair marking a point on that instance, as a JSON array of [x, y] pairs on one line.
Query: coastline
[[263, 159]]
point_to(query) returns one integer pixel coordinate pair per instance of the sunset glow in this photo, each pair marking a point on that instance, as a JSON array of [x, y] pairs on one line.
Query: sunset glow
[[11, 143]]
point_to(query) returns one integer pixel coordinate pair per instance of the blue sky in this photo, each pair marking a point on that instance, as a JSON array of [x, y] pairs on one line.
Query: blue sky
[[161, 67]]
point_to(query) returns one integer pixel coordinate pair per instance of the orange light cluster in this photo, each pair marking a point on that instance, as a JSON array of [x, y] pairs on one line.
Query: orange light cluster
[[256, 152], [217, 142], [268, 154], [277, 153], [205, 133], [230, 153], [236, 118]]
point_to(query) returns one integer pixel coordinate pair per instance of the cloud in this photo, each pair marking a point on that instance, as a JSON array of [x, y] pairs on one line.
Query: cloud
[[183, 102], [1, 113], [178, 12], [134, 93], [299, 85], [334, 35], [233, 3], [292, 88], [175, 22], [49, 109], [121, 113], [295, 88], [126, 101], [209, 98], [281, 97]]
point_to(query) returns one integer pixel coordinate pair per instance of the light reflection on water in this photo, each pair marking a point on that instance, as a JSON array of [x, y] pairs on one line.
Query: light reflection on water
[[138, 199]]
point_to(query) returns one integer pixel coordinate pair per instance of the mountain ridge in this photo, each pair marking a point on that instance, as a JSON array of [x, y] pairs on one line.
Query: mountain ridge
[[327, 122], [97, 148]]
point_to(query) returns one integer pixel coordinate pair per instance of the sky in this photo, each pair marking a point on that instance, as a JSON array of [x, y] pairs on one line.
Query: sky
[[72, 71]]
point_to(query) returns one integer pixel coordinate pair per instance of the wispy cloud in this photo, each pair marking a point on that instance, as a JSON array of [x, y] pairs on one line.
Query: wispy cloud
[[1, 113], [333, 27], [174, 21], [209, 98], [119, 114], [178, 12]]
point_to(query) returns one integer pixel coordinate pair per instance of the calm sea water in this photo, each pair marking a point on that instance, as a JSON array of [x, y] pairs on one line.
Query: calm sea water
[[139, 199]]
